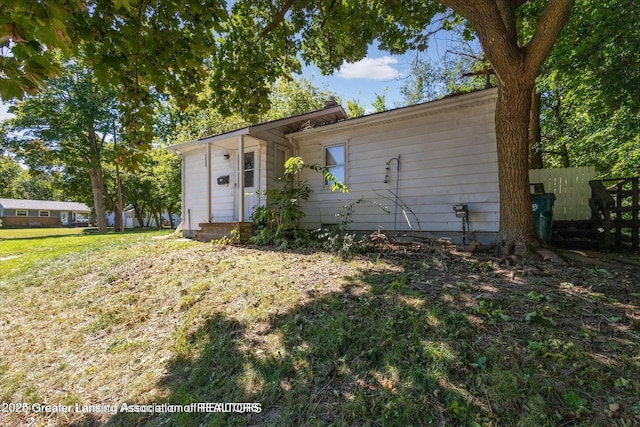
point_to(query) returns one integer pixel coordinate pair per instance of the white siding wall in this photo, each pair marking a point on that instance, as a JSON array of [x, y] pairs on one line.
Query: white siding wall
[[446, 158], [195, 189]]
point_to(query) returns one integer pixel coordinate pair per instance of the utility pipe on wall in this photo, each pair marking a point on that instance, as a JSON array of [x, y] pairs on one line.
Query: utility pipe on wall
[[207, 161], [395, 214], [241, 178]]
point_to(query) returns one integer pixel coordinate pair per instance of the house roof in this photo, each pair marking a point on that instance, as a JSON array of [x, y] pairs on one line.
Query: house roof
[[416, 110], [331, 114], [334, 116], [47, 205]]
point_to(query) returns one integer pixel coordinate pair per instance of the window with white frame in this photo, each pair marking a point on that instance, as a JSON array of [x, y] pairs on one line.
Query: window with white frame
[[44, 213], [22, 212], [334, 160]]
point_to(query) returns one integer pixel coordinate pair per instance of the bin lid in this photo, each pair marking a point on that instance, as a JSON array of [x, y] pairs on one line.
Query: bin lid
[[550, 196]]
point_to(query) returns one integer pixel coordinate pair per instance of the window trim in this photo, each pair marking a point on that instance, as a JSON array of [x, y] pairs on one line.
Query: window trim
[[326, 146], [287, 156], [19, 211], [40, 214]]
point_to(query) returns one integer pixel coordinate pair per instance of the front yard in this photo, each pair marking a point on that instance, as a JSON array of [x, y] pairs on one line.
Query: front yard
[[413, 335]]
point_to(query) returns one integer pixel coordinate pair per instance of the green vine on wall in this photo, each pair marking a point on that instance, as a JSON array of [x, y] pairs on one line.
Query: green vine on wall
[[276, 223]]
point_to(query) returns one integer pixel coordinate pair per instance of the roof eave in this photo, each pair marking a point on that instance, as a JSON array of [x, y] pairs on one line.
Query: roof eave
[[418, 109]]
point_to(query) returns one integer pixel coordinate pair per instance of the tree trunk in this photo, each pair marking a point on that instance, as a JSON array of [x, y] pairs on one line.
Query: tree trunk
[[535, 136], [557, 113], [512, 137], [120, 214], [516, 66], [170, 213], [564, 155], [137, 211], [97, 189]]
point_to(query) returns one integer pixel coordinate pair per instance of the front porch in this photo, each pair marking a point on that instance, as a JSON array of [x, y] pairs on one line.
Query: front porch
[[209, 231]]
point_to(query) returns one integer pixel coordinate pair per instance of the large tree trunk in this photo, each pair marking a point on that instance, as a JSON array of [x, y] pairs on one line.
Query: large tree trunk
[[516, 66], [97, 189], [512, 137]]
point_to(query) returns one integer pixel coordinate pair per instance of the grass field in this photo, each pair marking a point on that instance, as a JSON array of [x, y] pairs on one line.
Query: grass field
[[405, 336], [26, 233]]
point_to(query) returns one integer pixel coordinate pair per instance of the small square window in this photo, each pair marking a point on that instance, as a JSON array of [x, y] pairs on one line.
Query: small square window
[[44, 213], [334, 160], [22, 212]]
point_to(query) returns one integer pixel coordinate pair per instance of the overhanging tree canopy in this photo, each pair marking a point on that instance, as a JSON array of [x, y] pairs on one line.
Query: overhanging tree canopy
[[143, 47]]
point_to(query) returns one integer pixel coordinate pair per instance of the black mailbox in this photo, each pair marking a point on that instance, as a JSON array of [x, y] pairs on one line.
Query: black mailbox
[[223, 180]]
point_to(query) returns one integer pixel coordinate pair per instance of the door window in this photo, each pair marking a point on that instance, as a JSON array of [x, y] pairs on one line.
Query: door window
[[249, 169]]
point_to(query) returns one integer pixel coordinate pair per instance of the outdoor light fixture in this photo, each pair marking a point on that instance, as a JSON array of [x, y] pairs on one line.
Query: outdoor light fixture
[[462, 211], [226, 157]]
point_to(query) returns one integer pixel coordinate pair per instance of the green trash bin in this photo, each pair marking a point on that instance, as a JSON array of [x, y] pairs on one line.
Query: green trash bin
[[542, 208]]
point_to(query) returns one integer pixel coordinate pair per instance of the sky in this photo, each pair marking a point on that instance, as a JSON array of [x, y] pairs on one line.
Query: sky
[[377, 72]]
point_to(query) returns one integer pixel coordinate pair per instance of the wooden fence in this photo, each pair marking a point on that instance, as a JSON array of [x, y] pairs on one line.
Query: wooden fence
[[571, 188], [616, 205]]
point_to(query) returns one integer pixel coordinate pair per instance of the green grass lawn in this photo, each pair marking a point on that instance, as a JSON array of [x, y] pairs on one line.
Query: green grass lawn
[[413, 336], [25, 233]]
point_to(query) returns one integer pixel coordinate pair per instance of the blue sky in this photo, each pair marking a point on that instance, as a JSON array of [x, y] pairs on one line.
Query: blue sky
[[378, 71]]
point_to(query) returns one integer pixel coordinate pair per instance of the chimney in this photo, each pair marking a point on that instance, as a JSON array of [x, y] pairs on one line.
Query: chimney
[[331, 102]]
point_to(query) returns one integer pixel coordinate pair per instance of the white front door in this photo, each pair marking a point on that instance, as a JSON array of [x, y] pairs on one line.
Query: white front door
[[64, 218]]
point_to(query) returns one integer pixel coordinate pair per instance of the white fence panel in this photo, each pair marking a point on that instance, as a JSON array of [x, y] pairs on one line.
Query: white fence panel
[[571, 187]]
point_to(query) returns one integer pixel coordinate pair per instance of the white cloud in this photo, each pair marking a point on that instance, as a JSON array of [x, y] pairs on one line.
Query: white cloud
[[371, 69]]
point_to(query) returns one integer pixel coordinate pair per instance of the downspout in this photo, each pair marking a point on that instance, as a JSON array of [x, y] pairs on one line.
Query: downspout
[[395, 214], [207, 162], [183, 208], [295, 147], [241, 178]]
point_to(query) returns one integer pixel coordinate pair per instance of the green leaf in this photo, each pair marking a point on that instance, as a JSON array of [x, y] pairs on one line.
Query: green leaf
[[10, 89], [122, 4], [622, 382]]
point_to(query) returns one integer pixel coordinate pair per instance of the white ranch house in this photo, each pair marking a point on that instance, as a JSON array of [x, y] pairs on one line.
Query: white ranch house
[[432, 156]]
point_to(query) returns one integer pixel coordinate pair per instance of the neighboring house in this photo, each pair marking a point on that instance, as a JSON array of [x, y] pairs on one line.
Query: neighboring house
[[43, 213], [431, 156], [130, 220]]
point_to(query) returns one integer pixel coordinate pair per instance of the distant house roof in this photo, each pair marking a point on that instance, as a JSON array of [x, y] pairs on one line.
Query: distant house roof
[[45, 205]]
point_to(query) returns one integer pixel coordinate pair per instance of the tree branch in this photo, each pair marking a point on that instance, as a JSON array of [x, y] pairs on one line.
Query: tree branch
[[277, 18], [490, 26], [553, 19], [507, 9]]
